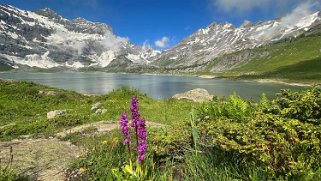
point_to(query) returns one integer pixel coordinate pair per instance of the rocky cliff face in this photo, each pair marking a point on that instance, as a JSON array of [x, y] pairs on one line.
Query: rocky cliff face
[[217, 41], [44, 39]]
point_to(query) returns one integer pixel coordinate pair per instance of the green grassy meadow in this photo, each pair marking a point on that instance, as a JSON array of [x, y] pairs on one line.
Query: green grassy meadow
[[295, 60], [25, 105]]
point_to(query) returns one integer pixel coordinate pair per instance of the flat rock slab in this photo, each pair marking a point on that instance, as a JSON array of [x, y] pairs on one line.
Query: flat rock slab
[[101, 126], [55, 113], [196, 95], [40, 159]]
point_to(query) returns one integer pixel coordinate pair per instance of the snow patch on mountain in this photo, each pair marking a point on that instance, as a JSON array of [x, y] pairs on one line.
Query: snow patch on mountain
[[34, 60], [74, 65]]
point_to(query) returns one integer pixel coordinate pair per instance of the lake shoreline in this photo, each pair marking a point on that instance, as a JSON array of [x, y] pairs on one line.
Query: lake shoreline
[[203, 76], [276, 81]]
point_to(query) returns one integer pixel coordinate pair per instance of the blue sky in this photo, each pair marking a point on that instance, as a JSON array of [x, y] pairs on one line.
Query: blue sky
[[163, 23]]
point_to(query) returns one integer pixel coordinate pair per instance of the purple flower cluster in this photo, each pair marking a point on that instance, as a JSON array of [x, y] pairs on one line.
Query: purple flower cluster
[[141, 134], [134, 108], [124, 128], [139, 126]]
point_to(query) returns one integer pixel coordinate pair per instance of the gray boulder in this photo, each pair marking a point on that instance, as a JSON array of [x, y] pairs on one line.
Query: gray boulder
[[196, 95]]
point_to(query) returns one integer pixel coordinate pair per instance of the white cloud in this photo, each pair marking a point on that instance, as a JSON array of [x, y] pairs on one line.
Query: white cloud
[[163, 42], [112, 42], [300, 11], [239, 5], [246, 6]]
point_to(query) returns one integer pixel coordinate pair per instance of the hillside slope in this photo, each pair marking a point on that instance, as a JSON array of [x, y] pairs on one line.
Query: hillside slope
[[294, 60]]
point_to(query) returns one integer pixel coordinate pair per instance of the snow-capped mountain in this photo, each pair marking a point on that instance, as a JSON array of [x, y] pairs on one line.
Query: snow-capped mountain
[[218, 40], [44, 39]]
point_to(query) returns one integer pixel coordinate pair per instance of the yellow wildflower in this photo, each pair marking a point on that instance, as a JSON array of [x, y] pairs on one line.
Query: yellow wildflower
[[82, 169]]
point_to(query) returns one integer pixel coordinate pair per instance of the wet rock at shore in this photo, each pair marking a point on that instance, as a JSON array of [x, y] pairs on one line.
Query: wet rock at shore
[[196, 95]]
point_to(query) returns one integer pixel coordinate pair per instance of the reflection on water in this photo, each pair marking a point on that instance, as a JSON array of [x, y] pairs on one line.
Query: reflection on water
[[156, 86]]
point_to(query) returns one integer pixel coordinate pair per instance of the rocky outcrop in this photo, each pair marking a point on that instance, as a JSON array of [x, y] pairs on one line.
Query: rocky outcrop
[[96, 107], [196, 95]]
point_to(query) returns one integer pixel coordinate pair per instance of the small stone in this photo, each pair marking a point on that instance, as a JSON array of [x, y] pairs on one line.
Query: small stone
[[95, 106], [101, 111], [53, 114]]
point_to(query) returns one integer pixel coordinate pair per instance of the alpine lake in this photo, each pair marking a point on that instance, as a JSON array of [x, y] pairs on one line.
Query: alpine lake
[[155, 86]]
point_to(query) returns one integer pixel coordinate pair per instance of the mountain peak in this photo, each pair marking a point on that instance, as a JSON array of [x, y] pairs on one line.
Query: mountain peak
[[48, 13], [212, 25], [80, 20], [227, 25]]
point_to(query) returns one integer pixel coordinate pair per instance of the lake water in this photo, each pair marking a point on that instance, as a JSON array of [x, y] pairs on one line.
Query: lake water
[[156, 86]]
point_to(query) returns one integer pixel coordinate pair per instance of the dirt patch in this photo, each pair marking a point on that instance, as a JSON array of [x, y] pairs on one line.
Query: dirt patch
[[101, 126]]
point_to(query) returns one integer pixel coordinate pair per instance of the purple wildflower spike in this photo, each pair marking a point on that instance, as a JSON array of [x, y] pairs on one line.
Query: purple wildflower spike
[[139, 126], [135, 112], [142, 134], [124, 128]]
